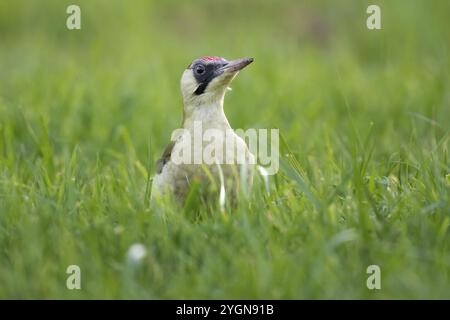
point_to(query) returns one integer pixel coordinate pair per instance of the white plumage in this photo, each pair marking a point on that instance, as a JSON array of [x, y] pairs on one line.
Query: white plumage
[[203, 87]]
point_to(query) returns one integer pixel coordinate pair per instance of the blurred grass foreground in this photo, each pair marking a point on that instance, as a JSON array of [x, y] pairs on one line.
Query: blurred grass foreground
[[365, 176]]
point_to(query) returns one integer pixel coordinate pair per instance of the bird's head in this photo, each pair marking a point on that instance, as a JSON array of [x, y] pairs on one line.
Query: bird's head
[[206, 80]]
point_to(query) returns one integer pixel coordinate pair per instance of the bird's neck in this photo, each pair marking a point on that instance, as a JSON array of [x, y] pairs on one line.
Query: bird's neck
[[210, 115]]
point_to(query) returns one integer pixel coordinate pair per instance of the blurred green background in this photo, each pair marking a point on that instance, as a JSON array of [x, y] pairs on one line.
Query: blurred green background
[[84, 114]]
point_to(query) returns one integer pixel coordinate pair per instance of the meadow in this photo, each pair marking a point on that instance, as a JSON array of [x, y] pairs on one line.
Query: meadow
[[364, 174]]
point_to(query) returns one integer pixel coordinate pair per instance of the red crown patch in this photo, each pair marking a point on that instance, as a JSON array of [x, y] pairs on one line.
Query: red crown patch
[[209, 58]]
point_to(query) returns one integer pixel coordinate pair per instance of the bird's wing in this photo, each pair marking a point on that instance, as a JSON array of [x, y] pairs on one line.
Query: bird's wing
[[165, 157]]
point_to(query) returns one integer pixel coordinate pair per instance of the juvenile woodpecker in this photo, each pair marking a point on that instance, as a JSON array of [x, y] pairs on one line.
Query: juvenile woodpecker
[[203, 87]]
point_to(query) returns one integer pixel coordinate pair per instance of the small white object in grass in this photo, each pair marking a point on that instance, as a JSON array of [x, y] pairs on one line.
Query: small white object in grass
[[222, 194], [136, 253], [263, 172]]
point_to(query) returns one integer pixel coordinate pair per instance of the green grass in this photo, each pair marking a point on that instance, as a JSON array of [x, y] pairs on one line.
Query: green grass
[[365, 174]]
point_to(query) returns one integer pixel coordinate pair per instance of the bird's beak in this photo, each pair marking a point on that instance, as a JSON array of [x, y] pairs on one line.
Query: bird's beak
[[236, 65]]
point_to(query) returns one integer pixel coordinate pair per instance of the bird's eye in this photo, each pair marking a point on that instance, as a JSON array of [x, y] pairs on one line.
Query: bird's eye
[[199, 69]]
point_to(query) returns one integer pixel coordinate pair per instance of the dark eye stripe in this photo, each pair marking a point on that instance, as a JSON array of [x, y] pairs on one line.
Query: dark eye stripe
[[204, 78], [201, 88], [211, 70]]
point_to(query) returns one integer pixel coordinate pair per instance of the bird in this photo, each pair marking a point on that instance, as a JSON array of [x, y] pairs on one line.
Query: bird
[[204, 84]]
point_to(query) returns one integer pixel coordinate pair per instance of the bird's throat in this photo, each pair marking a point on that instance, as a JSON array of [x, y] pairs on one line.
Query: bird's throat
[[210, 115]]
